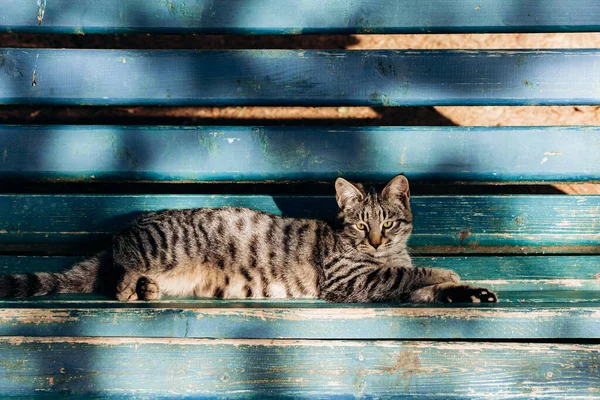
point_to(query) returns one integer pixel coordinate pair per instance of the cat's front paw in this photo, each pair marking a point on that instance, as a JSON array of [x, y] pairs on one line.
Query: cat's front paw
[[466, 294]]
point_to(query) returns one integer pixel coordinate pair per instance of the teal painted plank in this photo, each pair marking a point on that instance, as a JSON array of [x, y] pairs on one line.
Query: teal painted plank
[[516, 274], [298, 369], [540, 297], [231, 153], [297, 320], [309, 78], [298, 16], [520, 223]]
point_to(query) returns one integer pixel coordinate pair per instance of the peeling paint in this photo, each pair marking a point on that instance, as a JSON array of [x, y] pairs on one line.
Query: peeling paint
[[36, 316], [41, 10]]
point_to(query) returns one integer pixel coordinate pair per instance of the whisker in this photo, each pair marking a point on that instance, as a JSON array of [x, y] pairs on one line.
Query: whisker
[[412, 252]]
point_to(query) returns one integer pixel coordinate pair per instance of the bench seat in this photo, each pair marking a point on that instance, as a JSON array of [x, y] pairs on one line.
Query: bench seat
[[299, 77], [65, 189], [312, 369]]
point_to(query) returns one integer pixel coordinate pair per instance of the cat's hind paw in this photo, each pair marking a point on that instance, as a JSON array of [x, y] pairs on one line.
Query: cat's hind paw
[[147, 289]]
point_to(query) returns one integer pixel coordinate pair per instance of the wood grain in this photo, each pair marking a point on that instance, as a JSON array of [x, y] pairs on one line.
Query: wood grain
[[306, 369], [298, 16], [287, 78], [219, 319], [84, 153], [509, 224]]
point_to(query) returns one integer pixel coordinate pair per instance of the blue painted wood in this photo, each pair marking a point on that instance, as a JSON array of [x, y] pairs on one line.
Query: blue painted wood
[[541, 223], [221, 319], [516, 274], [298, 16], [299, 369], [232, 153], [284, 77]]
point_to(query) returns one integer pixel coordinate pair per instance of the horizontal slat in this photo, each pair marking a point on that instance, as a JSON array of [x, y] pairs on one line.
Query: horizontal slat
[[522, 276], [552, 223], [298, 320], [286, 77], [299, 369], [540, 297], [298, 16], [232, 153]]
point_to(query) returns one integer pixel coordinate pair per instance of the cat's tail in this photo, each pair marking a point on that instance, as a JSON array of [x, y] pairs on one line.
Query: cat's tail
[[84, 277]]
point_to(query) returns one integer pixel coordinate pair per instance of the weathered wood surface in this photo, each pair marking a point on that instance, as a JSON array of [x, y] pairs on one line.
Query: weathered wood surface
[[232, 153], [510, 224], [218, 319], [515, 274], [298, 16], [286, 77], [306, 369], [540, 297]]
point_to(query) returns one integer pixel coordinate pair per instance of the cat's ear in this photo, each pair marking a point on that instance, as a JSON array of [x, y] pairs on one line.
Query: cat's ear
[[347, 193], [397, 190]]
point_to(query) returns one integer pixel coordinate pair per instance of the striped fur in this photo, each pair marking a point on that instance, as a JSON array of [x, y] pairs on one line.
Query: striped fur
[[243, 253]]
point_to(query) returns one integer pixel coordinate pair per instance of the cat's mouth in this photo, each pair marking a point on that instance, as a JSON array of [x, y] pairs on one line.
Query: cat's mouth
[[381, 251], [372, 251]]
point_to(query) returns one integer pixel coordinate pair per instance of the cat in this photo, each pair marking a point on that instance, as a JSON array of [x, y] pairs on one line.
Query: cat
[[244, 253]]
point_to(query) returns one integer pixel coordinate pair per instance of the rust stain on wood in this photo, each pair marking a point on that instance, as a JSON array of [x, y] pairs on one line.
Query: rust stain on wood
[[463, 235]]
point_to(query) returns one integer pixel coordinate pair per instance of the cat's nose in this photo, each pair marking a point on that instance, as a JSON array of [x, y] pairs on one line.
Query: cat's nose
[[375, 239]]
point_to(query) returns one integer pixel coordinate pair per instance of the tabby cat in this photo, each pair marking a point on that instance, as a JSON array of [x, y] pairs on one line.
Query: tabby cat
[[243, 253]]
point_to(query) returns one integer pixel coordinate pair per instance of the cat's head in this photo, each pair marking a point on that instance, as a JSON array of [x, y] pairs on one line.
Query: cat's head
[[375, 223]]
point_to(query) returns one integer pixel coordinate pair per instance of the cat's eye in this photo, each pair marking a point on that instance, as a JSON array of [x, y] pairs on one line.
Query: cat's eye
[[361, 226], [388, 224]]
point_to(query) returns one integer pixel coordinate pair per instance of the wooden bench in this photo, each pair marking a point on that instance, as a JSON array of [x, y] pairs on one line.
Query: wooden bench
[[539, 252]]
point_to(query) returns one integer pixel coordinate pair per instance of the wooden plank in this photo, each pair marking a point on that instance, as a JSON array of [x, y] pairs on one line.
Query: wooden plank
[[298, 77], [300, 320], [513, 224], [540, 297], [299, 369], [515, 274], [298, 16], [232, 153]]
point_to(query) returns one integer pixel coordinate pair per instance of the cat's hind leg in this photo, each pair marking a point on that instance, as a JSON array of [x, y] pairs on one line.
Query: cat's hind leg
[[127, 286], [134, 286]]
